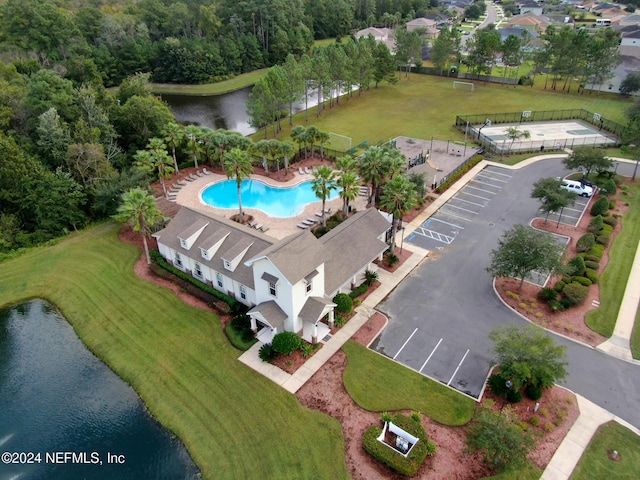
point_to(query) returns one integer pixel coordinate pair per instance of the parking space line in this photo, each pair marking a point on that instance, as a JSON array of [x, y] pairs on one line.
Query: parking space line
[[481, 189], [458, 368], [491, 178], [447, 223], [405, 343], [454, 215], [430, 355], [466, 201], [425, 232], [460, 208], [498, 173], [485, 183], [472, 195]]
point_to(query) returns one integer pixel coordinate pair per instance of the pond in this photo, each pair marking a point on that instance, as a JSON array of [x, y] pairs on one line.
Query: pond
[[67, 414]]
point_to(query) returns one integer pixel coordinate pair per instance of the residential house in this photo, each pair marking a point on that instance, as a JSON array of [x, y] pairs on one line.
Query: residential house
[[532, 6], [428, 26], [630, 41], [535, 24], [633, 19], [290, 283], [380, 35]]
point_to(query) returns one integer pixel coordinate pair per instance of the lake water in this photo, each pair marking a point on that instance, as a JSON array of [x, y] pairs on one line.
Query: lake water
[[66, 411]]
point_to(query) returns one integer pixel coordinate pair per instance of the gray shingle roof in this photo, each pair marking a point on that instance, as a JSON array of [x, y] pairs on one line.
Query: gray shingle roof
[[351, 245], [313, 308], [271, 311], [217, 227]]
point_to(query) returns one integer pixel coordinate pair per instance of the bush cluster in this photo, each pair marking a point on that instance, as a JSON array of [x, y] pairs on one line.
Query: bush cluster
[[548, 294], [286, 342], [575, 293], [343, 302], [600, 206], [595, 225], [581, 280], [559, 286], [592, 265], [608, 187], [459, 173], [603, 240], [597, 250], [405, 466], [534, 392], [592, 275], [591, 258], [359, 290], [576, 266], [267, 353], [611, 221], [585, 242]]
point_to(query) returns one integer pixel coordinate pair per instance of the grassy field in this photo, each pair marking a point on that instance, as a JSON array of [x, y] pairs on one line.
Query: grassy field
[[378, 384], [530, 472], [635, 337], [595, 464], [423, 106], [235, 83], [234, 422], [614, 279]]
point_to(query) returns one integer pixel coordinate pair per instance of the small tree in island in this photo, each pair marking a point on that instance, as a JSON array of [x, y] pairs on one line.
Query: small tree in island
[[237, 164], [553, 197], [521, 250]]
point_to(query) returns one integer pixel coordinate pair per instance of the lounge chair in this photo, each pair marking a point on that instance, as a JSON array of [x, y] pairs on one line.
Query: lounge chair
[[253, 224], [265, 228], [206, 172], [314, 168], [300, 171], [307, 171], [303, 226], [258, 226], [319, 214], [199, 173]]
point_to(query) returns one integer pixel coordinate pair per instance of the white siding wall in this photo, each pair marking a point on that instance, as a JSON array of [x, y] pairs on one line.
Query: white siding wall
[[284, 297]]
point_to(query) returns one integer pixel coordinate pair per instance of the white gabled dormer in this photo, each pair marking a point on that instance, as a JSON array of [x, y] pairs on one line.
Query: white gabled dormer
[[210, 246], [233, 256], [190, 235]]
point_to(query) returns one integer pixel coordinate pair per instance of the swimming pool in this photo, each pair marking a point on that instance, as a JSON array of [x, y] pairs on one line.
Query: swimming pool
[[280, 202]]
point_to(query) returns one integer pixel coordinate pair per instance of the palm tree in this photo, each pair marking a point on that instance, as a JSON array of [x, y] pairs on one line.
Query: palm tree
[[275, 150], [194, 145], [287, 150], [349, 189], [173, 135], [156, 158], [322, 138], [262, 148], [372, 170], [298, 136], [347, 164], [514, 133], [323, 183], [139, 209], [311, 137], [238, 164], [394, 161], [398, 197]]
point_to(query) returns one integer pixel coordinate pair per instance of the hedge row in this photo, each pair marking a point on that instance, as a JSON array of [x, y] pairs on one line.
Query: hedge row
[[456, 175], [405, 466], [232, 302]]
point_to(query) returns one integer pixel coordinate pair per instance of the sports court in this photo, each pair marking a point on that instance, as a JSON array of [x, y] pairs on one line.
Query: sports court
[[556, 135]]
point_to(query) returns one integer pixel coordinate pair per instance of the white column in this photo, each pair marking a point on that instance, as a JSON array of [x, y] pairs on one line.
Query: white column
[[314, 335], [254, 325]]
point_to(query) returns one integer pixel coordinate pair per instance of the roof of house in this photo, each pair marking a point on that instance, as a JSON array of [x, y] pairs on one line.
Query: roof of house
[[529, 18], [314, 309], [529, 4], [216, 228], [630, 19], [375, 31], [351, 246], [295, 256], [271, 312], [421, 22]]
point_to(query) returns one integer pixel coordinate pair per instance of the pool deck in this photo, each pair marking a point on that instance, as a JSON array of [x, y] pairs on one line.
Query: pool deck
[[189, 196]]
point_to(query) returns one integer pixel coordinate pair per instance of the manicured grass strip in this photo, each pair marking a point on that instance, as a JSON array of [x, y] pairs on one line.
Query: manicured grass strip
[[635, 337], [234, 422], [595, 463], [235, 83], [425, 105], [614, 279], [530, 472], [378, 384]]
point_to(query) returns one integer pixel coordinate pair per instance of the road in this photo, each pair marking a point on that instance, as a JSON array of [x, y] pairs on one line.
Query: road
[[492, 17], [451, 298]]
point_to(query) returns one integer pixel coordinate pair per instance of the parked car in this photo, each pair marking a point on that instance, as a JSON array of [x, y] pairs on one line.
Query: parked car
[[577, 188]]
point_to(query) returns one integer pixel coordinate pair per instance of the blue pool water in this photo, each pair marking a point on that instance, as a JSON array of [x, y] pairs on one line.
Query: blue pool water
[[274, 201]]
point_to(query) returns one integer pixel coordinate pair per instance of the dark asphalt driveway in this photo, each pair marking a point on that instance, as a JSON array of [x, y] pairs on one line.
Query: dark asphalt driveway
[[451, 298]]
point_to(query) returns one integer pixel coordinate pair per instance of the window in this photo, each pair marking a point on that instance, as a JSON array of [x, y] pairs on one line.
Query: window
[[183, 243], [198, 270], [219, 279], [309, 286], [272, 289], [243, 292], [178, 260], [227, 264]]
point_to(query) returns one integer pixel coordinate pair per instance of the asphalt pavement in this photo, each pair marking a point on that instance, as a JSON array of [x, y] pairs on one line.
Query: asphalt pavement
[[450, 299]]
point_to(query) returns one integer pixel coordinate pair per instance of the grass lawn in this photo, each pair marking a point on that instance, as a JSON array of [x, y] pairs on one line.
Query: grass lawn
[[635, 337], [425, 105], [235, 83], [595, 464], [234, 422], [378, 384], [530, 472], [614, 279]]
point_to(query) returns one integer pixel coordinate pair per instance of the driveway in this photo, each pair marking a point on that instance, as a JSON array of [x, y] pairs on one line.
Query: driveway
[[450, 297]]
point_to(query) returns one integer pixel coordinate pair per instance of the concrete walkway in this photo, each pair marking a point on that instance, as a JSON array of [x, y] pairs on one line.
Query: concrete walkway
[[591, 415]]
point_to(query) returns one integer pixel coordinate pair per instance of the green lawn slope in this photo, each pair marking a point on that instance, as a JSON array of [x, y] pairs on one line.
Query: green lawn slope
[[235, 423]]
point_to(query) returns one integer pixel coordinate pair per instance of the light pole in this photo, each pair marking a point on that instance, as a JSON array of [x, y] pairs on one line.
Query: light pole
[[507, 384], [402, 241]]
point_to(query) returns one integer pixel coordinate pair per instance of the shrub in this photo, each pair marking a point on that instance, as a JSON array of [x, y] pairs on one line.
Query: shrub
[[535, 421], [575, 266], [343, 302], [585, 242], [591, 265], [356, 292], [386, 417], [556, 306], [339, 321], [267, 353], [497, 384], [595, 225], [582, 280], [431, 448], [388, 456], [392, 259], [247, 335], [600, 206], [608, 187], [612, 204], [559, 286], [611, 221], [306, 349], [603, 240], [592, 258], [534, 392], [416, 417], [592, 274], [286, 342], [547, 294], [566, 303], [597, 250], [514, 396], [575, 293], [370, 277], [549, 426]]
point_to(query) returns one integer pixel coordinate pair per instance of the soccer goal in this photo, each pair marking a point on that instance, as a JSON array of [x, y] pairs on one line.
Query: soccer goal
[[339, 142], [464, 85]]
